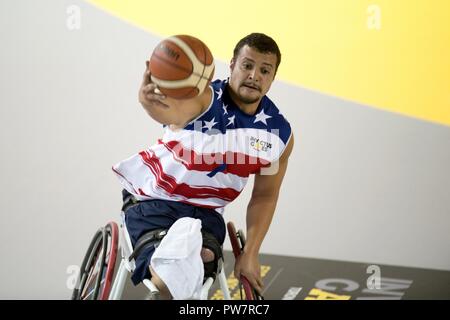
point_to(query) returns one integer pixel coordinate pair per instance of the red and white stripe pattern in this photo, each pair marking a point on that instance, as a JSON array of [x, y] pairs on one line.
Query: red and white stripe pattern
[[197, 167]]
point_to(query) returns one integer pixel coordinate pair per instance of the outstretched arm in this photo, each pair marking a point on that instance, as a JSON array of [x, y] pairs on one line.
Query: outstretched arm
[[153, 102], [168, 110], [260, 211]]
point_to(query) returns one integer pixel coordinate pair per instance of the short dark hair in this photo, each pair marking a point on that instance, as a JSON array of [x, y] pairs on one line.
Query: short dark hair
[[262, 43]]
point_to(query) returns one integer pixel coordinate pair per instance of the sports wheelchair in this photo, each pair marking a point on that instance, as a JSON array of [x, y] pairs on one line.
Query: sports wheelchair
[[96, 279]]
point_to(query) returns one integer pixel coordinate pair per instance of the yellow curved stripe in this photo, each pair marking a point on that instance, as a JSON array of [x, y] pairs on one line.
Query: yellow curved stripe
[[326, 45]]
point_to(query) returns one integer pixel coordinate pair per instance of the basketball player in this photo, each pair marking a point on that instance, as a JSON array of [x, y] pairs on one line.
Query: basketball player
[[250, 136]]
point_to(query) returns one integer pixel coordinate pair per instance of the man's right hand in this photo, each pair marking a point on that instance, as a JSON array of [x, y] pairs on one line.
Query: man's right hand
[[149, 95]]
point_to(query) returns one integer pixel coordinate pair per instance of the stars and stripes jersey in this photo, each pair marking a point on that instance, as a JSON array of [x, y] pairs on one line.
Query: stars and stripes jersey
[[209, 161]]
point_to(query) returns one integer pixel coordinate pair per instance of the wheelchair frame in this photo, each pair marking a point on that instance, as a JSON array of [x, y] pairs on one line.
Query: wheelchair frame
[[100, 260]]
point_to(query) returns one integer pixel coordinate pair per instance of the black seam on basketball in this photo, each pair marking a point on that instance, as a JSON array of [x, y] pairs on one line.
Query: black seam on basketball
[[204, 65], [173, 65], [205, 53], [191, 72], [199, 76], [181, 68]]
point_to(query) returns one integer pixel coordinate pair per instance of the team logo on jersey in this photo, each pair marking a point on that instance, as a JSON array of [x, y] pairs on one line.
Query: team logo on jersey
[[260, 145]]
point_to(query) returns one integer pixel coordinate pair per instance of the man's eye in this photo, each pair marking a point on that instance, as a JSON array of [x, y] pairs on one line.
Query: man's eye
[[247, 66]]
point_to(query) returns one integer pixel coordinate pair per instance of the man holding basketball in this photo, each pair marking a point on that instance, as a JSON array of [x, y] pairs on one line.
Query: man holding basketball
[[249, 137]]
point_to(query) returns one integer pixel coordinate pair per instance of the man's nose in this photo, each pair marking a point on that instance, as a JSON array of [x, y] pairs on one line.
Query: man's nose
[[253, 75]]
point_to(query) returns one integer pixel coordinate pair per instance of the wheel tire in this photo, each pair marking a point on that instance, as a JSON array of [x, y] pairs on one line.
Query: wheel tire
[[101, 253]]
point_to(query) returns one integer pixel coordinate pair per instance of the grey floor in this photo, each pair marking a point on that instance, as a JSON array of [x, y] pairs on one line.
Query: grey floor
[[297, 278]]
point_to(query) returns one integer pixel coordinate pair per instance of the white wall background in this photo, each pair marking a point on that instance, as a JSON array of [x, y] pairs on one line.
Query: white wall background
[[363, 184]]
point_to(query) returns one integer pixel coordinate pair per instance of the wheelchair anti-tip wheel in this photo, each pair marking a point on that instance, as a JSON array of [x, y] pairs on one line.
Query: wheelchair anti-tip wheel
[[97, 269], [237, 240]]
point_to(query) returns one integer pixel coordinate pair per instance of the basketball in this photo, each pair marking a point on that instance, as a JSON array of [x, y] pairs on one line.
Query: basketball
[[182, 66]]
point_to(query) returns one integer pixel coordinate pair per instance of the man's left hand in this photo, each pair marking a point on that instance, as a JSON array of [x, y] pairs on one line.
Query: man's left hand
[[248, 265]]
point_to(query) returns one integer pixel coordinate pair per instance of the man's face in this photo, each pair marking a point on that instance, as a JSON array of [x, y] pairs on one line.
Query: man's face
[[252, 74]]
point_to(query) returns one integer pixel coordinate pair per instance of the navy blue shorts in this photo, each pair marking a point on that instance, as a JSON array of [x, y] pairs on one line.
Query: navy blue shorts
[[155, 214]]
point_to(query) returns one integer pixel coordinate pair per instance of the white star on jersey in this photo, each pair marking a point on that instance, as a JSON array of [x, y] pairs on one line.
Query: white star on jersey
[[210, 124], [219, 94], [262, 117], [231, 119], [225, 111]]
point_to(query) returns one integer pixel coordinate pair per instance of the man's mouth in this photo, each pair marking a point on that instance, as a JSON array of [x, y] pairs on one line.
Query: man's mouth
[[251, 86]]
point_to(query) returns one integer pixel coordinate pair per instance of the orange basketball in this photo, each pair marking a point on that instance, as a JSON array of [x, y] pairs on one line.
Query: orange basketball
[[182, 66]]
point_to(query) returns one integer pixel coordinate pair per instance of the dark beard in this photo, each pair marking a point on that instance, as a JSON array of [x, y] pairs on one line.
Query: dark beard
[[247, 100]]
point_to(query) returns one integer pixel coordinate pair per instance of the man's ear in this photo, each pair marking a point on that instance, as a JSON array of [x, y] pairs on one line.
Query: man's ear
[[232, 63]]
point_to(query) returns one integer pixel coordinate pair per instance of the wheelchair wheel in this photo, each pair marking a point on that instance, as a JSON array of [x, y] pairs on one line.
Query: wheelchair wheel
[[237, 240], [97, 269]]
